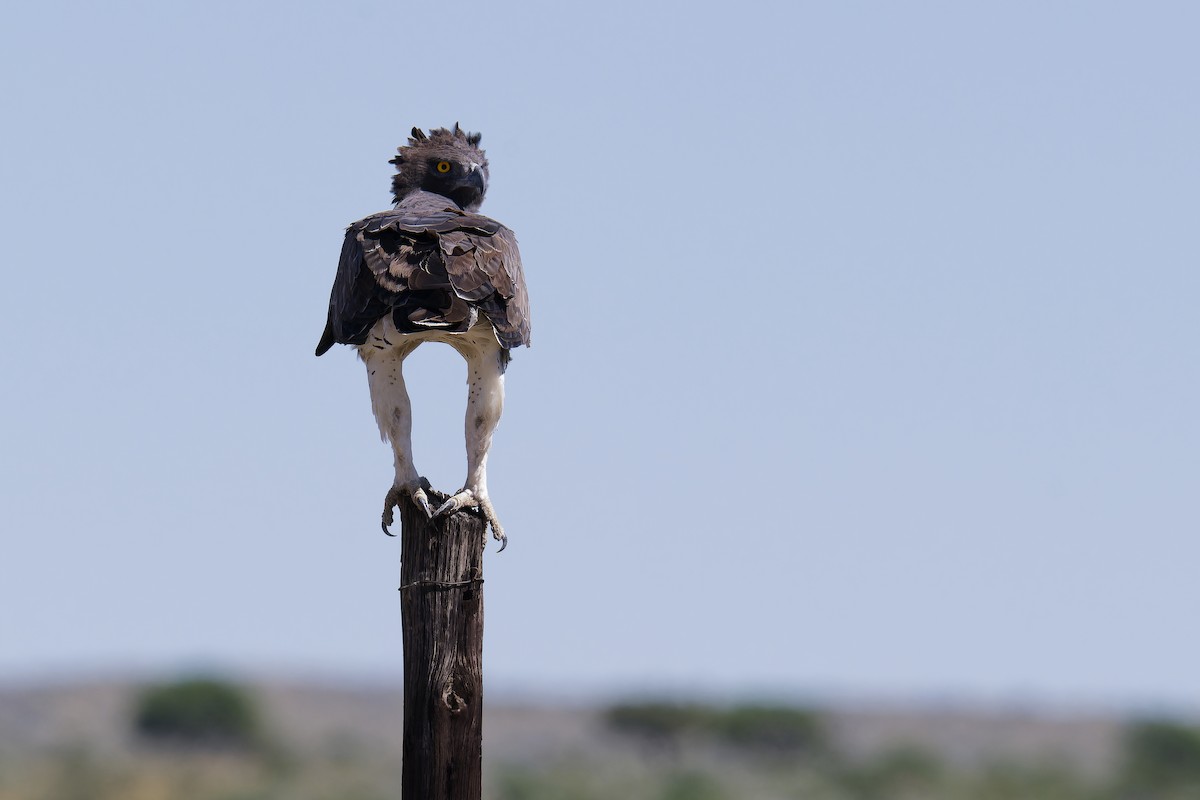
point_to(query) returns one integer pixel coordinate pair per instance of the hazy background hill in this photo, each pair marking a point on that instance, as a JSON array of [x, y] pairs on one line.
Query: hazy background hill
[[311, 715], [327, 740]]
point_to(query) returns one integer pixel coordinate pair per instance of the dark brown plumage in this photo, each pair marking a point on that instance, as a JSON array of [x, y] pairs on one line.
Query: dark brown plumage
[[430, 262]]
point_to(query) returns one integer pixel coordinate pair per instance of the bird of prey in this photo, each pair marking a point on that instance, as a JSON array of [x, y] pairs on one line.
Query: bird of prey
[[433, 270]]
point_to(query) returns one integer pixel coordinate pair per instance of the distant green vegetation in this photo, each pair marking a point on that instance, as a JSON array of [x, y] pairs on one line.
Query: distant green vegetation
[[757, 728], [680, 751], [198, 712], [1162, 759], [774, 730], [658, 722]]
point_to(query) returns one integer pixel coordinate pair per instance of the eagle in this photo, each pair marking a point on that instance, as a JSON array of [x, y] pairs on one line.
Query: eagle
[[432, 269]]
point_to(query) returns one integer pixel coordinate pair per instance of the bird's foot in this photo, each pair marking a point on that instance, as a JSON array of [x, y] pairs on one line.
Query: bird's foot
[[416, 489], [469, 498]]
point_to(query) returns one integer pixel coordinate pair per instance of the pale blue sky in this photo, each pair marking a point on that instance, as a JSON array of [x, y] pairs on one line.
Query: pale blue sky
[[865, 341]]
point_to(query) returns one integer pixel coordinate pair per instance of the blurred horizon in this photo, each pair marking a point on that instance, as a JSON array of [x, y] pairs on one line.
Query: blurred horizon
[[573, 695]]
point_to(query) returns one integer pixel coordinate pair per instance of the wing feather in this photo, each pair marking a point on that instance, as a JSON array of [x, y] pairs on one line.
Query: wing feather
[[430, 265]]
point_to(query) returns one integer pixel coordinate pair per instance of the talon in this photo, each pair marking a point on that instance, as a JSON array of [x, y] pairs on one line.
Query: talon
[[421, 500], [467, 497], [392, 501], [489, 513], [450, 506]]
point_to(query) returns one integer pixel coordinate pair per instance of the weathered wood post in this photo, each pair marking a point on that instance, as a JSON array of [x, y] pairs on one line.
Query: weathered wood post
[[441, 611]]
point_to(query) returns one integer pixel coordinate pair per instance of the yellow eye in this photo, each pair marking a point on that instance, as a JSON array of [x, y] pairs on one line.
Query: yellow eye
[[443, 167]]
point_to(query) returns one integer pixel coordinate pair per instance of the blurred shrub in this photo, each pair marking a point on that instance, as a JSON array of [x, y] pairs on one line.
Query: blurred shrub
[[777, 730], [197, 712], [658, 722], [761, 729], [1162, 756]]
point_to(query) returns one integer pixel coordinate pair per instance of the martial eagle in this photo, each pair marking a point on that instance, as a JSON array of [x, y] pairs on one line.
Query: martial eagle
[[433, 270]]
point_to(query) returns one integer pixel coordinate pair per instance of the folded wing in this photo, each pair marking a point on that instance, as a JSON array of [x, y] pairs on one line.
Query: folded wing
[[431, 266]]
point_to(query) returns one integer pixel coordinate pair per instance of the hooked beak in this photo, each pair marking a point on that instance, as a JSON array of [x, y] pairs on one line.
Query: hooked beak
[[472, 189], [476, 177]]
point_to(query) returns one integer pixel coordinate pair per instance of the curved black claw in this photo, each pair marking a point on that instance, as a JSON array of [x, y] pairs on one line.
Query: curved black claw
[[390, 502], [396, 493], [423, 502]]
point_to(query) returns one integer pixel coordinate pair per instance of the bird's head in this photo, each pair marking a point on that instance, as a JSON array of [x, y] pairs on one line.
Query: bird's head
[[446, 162]]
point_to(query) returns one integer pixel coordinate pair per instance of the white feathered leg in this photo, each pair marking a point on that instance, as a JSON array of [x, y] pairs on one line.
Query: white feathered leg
[[393, 414], [485, 403]]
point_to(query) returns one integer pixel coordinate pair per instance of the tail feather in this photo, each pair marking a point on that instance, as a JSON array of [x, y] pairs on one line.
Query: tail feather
[[327, 340]]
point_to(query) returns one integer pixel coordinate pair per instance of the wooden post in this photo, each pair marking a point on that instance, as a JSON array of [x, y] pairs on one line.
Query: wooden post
[[441, 610]]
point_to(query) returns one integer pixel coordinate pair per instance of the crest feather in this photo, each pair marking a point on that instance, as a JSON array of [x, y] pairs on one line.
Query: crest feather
[[438, 143]]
